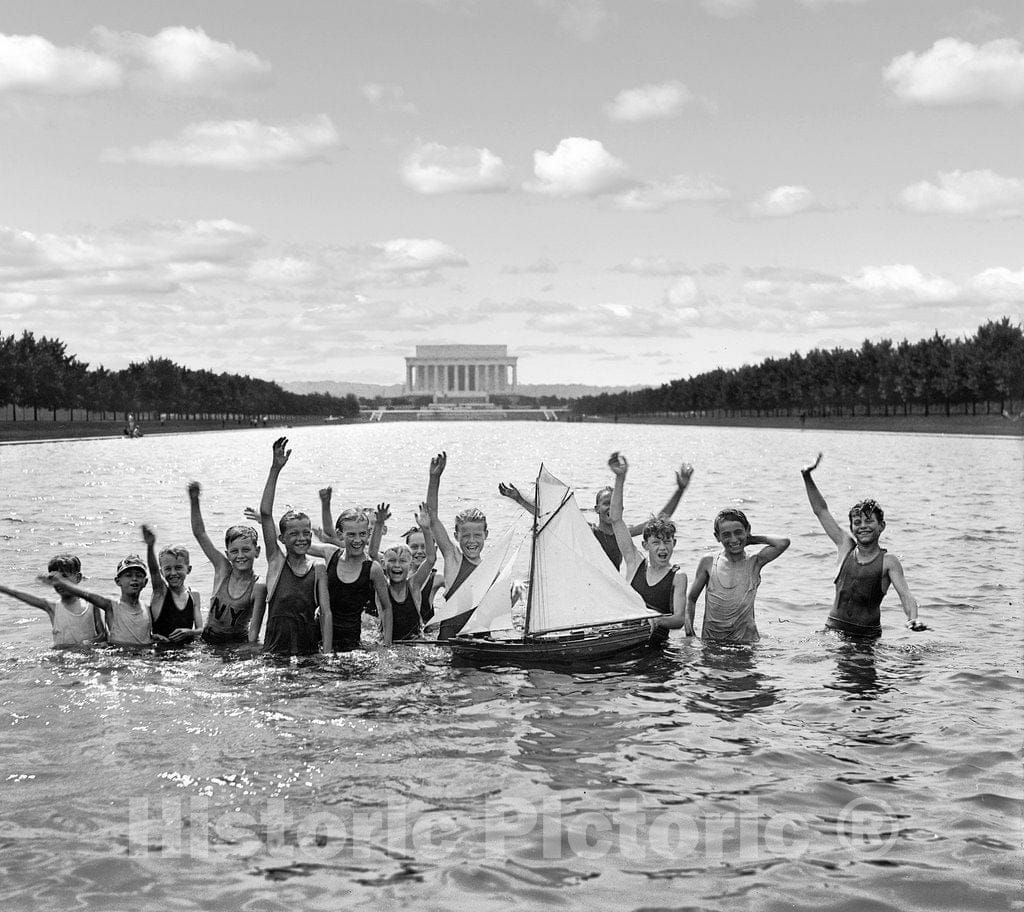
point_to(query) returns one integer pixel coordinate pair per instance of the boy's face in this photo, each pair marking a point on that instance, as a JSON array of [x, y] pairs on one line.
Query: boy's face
[[471, 537], [355, 534], [603, 506], [659, 549], [397, 565], [132, 581], [63, 591], [866, 528], [297, 536], [418, 547], [241, 553], [174, 569], [733, 535]]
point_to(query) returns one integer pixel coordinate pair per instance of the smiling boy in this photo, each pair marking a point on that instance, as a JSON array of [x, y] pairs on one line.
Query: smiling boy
[[174, 607], [731, 578], [865, 569]]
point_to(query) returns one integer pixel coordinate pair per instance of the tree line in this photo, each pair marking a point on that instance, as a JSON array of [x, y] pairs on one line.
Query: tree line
[[879, 378], [39, 374]]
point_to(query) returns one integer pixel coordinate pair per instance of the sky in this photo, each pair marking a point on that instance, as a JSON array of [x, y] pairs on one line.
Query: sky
[[622, 192]]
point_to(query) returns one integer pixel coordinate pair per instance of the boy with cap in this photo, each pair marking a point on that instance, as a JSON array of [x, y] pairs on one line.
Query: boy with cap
[[129, 622]]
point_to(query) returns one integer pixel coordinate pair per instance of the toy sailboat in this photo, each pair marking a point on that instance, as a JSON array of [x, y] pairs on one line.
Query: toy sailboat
[[578, 608]]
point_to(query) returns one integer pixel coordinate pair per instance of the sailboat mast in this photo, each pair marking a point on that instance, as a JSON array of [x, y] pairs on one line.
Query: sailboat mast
[[533, 551]]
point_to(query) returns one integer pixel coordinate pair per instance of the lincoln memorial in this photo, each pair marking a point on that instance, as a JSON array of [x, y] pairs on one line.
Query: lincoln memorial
[[460, 371]]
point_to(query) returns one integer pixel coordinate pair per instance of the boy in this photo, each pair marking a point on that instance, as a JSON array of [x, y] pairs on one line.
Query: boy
[[460, 562], [129, 623], [407, 580], [175, 609], [296, 586], [602, 529], [234, 583], [652, 574], [865, 569], [731, 578], [73, 623]]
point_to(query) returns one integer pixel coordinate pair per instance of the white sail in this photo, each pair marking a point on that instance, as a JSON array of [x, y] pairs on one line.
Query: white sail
[[494, 613], [469, 594], [573, 584]]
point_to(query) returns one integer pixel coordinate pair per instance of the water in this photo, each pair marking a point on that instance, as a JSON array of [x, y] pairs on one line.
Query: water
[[801, 774]]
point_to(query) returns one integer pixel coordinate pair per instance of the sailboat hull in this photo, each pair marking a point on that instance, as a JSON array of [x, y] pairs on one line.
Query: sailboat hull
[[581, 646]]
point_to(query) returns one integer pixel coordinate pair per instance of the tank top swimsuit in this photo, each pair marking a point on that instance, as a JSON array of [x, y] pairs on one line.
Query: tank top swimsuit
[[609, 545], [130, 625], [729, 602], [658, 596], [453, 625], [348, 602], [227, 622], [171, 617], [426, 605], [857, 608], [291, 615], [405, 619], [71, 628]]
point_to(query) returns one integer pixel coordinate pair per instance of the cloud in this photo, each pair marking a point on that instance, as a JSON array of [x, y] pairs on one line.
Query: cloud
[[956, 72], [684, 292], [727, 9], [286, 270], [782, 202], [577, 167], [236, 145], [683, 188], [999, 285], [542, 266], [415, 255], [654, 101], [583, 19], [652, 266], [981, 194], [433, 168], [30, 63], [183, 61], [387, 97]]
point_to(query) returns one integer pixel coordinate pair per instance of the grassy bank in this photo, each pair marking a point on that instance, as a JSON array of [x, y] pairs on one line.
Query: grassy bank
[[911, 424]]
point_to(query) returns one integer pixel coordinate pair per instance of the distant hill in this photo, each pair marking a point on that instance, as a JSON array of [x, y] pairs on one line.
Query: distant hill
[[371, 390]]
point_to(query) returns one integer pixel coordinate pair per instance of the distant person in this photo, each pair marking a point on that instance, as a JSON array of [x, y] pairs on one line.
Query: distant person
[[128, 622], [296, 587], [865, 569], [650, 571], [176, 610], [235, 584], [602, 529], [72, 623], [731, 578], [461, 561]]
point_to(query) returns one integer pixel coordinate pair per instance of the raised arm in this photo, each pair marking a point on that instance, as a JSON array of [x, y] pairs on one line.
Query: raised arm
[[513, 493], [619, 466], [29, 599], [840, 539], [380, 587], [444, 543], [213, 555], [156, 578], [700, 581], [100, 601], [683, 477], [773, 547], [894, 568], [278, 462], [420, 574], [326, 520], [380, 517]]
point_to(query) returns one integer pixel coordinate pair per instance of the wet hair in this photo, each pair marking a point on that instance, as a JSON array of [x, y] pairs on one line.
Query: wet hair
[[290, 516], [660, 528], [175, 551], [867, 508], [468, 516], [241, 532], [733, 515], [352, 514], [413, 531], [607, 489], [398, 549], [65, 564]]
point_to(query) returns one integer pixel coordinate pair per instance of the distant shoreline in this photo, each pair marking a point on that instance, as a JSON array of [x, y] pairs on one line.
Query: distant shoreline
[[992, 425], [14, 432]]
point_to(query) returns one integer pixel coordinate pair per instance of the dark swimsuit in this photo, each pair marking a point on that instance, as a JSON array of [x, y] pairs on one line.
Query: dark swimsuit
[[405, 619], [857, 608], [172, 617], [348, 602], [609, 545], [659, 596], [291, 622], [426, 605], [453, 625]]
